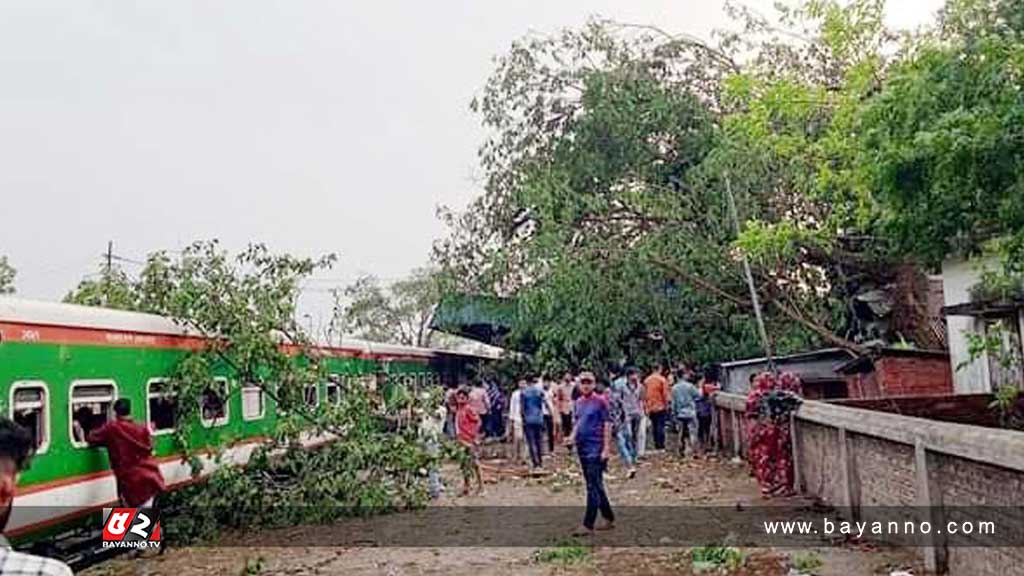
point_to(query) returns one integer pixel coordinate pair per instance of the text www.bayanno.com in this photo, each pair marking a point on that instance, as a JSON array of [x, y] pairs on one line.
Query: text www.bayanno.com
[[829, 527]]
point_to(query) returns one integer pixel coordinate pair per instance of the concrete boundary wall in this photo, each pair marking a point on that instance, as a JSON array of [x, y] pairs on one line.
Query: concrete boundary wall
[[856, 458]]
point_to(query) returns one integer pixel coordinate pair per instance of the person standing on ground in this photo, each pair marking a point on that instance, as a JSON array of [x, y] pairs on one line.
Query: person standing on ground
[[563, 404], [592, 437], [496, 402], [467, 424], [515, 420], [684, 407], [633, 405], [130, 448], [479, 402], [549, 412], [450, 409], [430, 430], [706, 408], [656, 403], [621, 430], [15, 451], [531, 402]]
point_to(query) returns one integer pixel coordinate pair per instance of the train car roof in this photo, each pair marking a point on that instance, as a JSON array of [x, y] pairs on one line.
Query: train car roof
[[20, 310]]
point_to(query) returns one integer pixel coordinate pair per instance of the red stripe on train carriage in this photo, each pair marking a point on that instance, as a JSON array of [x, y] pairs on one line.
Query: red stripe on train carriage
[[84, 511], [53, 484], [52, 334], [87, 510]]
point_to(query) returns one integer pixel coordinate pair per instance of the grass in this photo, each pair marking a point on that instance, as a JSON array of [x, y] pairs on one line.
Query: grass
[[253, 566], [566, 552], [807, 563], [715, 557]]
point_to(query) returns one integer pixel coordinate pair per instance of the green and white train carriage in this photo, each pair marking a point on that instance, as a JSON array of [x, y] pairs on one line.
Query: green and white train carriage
[[62, 366]]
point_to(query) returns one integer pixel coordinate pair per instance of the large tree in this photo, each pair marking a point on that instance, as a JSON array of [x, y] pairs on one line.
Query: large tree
[[613, 156], [399, 312]]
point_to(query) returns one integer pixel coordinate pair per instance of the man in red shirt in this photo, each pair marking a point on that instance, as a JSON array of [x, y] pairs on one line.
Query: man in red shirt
[[130, 448], [467, 426]]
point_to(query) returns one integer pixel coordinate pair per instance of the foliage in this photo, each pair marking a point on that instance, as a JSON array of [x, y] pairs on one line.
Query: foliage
[[807, 562], [112, 288], [1009, 403], [716, 557], [400, 312], [939, 145], [372, 467], [991, 343], [998, 285], [567, 552], [243, 306], [7, 274], [612, 153]]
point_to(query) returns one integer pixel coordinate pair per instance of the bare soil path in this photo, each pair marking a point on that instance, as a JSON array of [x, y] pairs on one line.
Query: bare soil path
[[662, 478]]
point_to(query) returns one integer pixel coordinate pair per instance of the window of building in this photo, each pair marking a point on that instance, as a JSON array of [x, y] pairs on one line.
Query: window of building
[[253, 402], [162, 404], [92, 404], [213, 404], [29, 409], [311, 396]]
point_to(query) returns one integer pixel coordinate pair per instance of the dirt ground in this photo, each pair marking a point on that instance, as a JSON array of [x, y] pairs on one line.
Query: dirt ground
[[662, 478]]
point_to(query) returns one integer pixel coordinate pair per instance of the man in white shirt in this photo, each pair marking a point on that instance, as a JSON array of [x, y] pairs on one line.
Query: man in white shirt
[[515, 419], [16, 447]]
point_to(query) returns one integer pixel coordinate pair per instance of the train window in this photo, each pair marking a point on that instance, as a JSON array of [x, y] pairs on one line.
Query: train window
[[333, 396], [311, 396], [213, 404], [162, 404], [91, 406], [253, 403], [29, 409]]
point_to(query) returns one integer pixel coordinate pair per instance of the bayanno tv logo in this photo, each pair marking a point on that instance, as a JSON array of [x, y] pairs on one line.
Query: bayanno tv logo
[[131, 528]]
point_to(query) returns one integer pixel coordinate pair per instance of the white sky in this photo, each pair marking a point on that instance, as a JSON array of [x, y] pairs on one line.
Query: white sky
[[311, 126]]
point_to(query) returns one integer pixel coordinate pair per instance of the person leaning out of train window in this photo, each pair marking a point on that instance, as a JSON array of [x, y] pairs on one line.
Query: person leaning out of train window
[[15, 450], [130, 447]]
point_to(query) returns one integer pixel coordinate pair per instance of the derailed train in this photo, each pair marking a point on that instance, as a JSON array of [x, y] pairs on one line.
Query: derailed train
[[62, 366]]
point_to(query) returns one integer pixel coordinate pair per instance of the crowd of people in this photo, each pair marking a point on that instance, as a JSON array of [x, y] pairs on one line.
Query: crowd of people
[[588, 414]]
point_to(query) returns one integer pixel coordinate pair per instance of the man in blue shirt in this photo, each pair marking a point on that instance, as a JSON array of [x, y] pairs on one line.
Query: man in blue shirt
[[684, 406], [531, 405], [592, 437], [618, 398]]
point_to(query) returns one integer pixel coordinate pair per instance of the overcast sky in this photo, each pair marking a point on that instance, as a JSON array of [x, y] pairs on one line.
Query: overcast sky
[[311, 126]]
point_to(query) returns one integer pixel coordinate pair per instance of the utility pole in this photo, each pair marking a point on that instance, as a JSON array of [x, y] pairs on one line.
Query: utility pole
[[750, 280], [106, 275]]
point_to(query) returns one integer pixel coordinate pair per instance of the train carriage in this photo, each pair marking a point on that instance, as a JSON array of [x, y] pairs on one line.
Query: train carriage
[[62, 366]]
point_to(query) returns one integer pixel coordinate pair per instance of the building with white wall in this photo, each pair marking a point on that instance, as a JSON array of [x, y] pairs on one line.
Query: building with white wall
[[964, 317]]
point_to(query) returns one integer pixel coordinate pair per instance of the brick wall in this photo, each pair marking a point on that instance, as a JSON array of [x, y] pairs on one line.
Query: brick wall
[[960, 408], [914, 376], [903, 374], [962, 466]]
